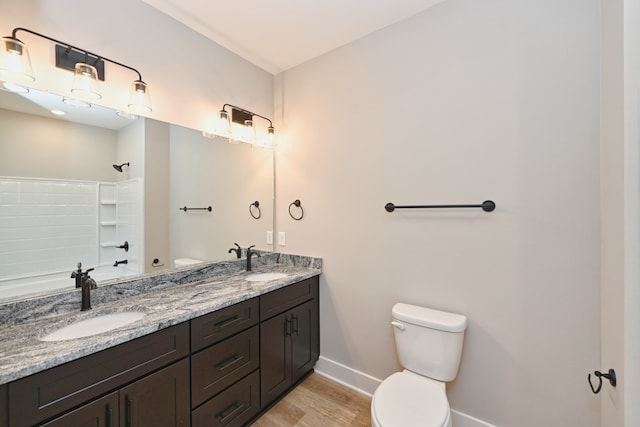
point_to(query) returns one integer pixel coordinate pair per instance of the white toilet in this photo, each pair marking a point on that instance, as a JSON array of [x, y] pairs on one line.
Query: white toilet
[[429, 345]]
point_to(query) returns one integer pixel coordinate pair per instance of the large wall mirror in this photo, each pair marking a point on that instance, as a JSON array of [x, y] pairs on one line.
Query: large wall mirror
[[62, 201]]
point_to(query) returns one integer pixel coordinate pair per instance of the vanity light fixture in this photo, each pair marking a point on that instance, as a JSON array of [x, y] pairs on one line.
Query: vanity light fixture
[[88, 68], [15, 65], [85, 82], [247, 132]]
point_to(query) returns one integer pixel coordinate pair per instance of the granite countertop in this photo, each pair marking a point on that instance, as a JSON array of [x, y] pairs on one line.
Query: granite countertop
[[22, 353]]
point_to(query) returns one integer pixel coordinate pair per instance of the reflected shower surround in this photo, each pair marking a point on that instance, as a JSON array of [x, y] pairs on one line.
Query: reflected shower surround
[[58, 223]]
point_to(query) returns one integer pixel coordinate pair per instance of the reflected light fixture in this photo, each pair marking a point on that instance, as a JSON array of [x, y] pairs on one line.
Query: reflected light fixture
[[85, 82], [88, 68], [15, 64], [247, 132]]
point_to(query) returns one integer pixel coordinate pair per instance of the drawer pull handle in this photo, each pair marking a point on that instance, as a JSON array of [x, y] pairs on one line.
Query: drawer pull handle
[[109, 417], [287, 326], [224, 415], [128, 411], [230, 361], [226, 322], [294, 324]]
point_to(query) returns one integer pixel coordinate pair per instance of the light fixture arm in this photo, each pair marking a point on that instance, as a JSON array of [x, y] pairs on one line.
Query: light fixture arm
[[247, 112], [70, 46]]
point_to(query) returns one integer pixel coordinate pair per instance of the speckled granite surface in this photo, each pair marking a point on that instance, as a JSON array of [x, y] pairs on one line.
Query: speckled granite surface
[[167, 299]]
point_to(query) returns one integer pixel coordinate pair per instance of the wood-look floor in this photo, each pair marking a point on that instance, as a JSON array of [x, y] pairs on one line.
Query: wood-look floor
[[319, 402]]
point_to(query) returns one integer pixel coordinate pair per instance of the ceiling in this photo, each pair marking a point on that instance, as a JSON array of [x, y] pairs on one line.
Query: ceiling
[[279, 34]]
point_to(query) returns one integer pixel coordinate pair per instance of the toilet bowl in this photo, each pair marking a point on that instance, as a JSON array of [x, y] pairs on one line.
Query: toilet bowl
[[409, 400], [429, 345], [185, 262]]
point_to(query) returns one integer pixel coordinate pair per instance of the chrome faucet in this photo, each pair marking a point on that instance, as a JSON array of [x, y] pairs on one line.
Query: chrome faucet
[[250, 253], [86, 283], [237, 250]]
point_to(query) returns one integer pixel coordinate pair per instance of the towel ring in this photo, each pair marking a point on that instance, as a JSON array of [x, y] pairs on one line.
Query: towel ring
[[256, 205], [297, 204]]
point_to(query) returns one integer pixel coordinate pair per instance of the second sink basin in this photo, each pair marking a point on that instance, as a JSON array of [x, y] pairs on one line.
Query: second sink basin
[[265, 277], [94, 326]]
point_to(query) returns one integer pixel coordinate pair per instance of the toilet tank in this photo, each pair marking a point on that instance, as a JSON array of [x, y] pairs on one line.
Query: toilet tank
[[429, 342]]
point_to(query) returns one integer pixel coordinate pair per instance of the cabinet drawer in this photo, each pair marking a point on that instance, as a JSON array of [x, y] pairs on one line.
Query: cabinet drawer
[[56, 390], [214, 327], [219, 366], [285, 298], [233, 407], [101, 412]]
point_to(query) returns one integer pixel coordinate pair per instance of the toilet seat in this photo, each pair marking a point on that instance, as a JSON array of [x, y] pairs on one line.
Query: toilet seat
[[408, 400]]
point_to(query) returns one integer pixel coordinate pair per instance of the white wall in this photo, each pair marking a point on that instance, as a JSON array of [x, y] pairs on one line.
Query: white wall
[[465, 102]]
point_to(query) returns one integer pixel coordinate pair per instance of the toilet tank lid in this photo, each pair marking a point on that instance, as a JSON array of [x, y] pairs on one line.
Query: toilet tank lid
[[429, 318]]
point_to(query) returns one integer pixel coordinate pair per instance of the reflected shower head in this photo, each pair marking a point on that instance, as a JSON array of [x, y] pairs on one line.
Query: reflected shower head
[[119, 167]]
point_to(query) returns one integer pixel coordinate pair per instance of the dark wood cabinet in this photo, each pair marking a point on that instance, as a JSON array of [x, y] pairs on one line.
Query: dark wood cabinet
[[49, 393], [4, 406], [158, 400], [220, 369], [289, 341]]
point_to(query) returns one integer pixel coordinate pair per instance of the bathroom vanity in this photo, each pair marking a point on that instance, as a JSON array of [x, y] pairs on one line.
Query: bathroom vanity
[[215, 351]]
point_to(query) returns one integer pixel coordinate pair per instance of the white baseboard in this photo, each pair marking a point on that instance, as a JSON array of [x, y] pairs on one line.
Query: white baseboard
[[366, 384], [356, 380], [460, 419]]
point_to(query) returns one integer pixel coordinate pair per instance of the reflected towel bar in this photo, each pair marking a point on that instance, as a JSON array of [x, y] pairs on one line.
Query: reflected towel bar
[[196, 209], [486, 206]]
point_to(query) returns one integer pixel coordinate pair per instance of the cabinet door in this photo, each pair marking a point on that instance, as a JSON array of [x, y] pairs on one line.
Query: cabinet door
[[305, 342], [158, 400], [102, 412], [275, 355]]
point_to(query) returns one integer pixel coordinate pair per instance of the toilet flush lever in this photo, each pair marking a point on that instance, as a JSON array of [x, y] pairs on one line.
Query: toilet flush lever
[[398, 325]]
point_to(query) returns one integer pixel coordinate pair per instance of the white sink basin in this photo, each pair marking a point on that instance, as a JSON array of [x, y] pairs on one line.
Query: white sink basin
[[265, 277], [94, 326]]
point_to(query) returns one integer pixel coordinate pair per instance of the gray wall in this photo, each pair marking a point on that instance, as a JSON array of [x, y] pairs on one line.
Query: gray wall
[[39, 147], [465, 102]]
